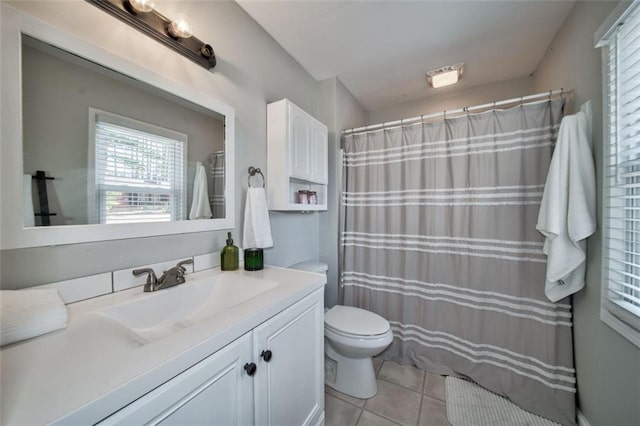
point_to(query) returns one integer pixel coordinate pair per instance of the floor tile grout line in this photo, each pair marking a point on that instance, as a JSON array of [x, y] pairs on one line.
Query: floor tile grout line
[[345, 400], [418, 422], [384, 417], [359, 416], [399, 385]]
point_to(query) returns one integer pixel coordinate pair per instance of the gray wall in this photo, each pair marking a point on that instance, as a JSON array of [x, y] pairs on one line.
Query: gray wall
[[608, 366], [56, 137], [252, 70], [454, 99], [339, 110]]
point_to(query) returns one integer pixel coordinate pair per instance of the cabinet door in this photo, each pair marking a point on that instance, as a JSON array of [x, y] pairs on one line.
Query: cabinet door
[[289, 388], [300, 127], [215, 391], [320, 152]]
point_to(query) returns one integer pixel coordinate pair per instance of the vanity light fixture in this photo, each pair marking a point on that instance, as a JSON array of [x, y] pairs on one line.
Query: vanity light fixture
[[180, 27], [176, 34], [142, 5], [445, 76]]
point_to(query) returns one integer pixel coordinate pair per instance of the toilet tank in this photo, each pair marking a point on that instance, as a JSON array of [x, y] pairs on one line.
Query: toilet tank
[[318, 267]]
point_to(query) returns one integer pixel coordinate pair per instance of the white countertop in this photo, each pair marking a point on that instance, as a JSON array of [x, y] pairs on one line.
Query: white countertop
[[95, 366]]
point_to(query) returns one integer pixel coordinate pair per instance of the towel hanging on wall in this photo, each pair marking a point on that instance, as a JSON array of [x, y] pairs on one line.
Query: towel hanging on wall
[[200, 207], [568, 209], [257, 228]]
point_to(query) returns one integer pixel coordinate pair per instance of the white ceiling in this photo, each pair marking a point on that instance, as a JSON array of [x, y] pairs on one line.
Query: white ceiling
[[381, 50]]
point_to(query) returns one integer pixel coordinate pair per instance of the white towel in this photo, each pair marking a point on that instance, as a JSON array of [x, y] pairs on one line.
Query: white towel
[[29, 313], [568, 209], [200, 207], [257, 229], [27, 201]]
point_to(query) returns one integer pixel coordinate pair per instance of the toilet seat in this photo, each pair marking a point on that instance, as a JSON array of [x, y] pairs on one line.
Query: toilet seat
[[349, 321]]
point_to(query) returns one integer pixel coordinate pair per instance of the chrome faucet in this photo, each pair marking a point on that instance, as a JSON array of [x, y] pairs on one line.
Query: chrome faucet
[[170, 278]]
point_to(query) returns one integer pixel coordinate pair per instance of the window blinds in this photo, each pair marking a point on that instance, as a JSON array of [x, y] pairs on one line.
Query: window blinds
[[139, 176], [621, 296]]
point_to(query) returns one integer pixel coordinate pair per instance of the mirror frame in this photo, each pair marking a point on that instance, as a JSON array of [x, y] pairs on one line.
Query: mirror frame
[[13, 234]]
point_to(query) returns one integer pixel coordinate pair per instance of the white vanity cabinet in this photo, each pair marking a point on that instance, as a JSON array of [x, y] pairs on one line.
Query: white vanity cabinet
[[242, 383], [297, 157], [289, 387], [217, 390]]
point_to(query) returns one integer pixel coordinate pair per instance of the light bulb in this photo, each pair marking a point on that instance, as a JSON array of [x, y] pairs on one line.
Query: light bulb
[[181, 27], [142, 5]]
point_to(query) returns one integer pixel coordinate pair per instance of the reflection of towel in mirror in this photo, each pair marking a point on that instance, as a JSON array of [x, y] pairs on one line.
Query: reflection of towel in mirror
[[29, 313], [257, 229], [568, 208], [200, 207], [27, 199]]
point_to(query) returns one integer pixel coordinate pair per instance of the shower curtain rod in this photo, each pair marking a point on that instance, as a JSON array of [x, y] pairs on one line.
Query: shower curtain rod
[[521, 100]]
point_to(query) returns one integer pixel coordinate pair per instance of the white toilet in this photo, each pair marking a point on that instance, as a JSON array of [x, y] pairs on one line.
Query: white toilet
[[352, 337]]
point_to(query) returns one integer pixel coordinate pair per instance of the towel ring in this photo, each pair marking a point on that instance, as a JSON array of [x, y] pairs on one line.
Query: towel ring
[[252, 172]]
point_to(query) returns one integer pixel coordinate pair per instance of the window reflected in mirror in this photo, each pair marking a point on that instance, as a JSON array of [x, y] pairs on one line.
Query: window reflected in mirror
[[102, 148]]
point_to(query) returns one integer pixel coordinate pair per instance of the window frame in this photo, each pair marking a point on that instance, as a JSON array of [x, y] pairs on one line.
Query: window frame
[[619, 318], [93, 192]]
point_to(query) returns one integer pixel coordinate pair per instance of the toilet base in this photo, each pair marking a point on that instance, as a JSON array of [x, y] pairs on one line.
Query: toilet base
[[354, 376]]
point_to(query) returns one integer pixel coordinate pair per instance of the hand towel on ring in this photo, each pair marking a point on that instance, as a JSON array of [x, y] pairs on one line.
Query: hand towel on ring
[[257, 228]]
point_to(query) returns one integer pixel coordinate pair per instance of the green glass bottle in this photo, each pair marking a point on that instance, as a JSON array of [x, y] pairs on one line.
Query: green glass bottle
[[229, 255]]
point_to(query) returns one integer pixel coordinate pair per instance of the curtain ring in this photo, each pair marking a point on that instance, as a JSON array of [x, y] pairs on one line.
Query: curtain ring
[[550, 93], [444, 113]]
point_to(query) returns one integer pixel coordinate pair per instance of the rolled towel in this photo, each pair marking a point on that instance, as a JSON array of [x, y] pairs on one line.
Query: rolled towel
[[29, 313]]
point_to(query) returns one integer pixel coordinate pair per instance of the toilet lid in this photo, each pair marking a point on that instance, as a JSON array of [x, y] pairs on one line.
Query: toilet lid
[[350, 320]]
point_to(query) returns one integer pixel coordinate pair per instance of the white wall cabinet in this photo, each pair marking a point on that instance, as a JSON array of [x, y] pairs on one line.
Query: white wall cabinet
[[297, 157], [272, 375]]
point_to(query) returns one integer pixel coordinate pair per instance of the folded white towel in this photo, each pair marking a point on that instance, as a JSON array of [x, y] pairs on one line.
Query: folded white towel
[[29, 313], [568, 209], [257, 228], [200, 207], [27, 201]]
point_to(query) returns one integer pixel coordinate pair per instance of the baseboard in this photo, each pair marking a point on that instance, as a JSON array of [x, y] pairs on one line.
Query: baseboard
[[582, 420]]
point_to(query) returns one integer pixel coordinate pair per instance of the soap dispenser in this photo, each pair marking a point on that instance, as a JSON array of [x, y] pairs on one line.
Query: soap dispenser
[[229, 255]]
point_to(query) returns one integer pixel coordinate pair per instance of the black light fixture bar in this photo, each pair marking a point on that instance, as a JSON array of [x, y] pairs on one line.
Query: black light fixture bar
[[155, 25]]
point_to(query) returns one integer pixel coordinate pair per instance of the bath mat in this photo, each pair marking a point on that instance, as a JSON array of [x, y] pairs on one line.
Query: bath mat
[[471, 405]]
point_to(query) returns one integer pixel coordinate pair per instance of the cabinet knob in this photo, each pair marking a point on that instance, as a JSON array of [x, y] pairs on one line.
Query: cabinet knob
[[250, 368], [266, 355]]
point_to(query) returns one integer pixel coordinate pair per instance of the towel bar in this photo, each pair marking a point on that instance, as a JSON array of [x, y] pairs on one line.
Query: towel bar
[[252, 172]]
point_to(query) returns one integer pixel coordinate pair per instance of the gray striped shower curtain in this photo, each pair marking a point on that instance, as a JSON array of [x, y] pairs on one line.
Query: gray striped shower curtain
[[438, 236], [216, 191]]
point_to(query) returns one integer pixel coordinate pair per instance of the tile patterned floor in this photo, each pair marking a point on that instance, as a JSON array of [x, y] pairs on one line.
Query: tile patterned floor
[[406, 396]]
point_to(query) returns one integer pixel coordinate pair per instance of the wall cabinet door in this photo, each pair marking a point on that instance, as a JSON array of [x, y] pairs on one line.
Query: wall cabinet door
[[319, 153], [217, 390], [300, 134], [289, 386]]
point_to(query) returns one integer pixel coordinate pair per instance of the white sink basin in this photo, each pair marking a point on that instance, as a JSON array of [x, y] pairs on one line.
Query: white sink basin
[[161, 313]]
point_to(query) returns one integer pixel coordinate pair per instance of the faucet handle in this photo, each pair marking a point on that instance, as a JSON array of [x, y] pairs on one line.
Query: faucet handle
[[151, 277], [184, 262]]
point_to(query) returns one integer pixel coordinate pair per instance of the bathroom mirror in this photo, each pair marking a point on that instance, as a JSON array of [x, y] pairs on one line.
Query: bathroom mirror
[[96, 148]]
